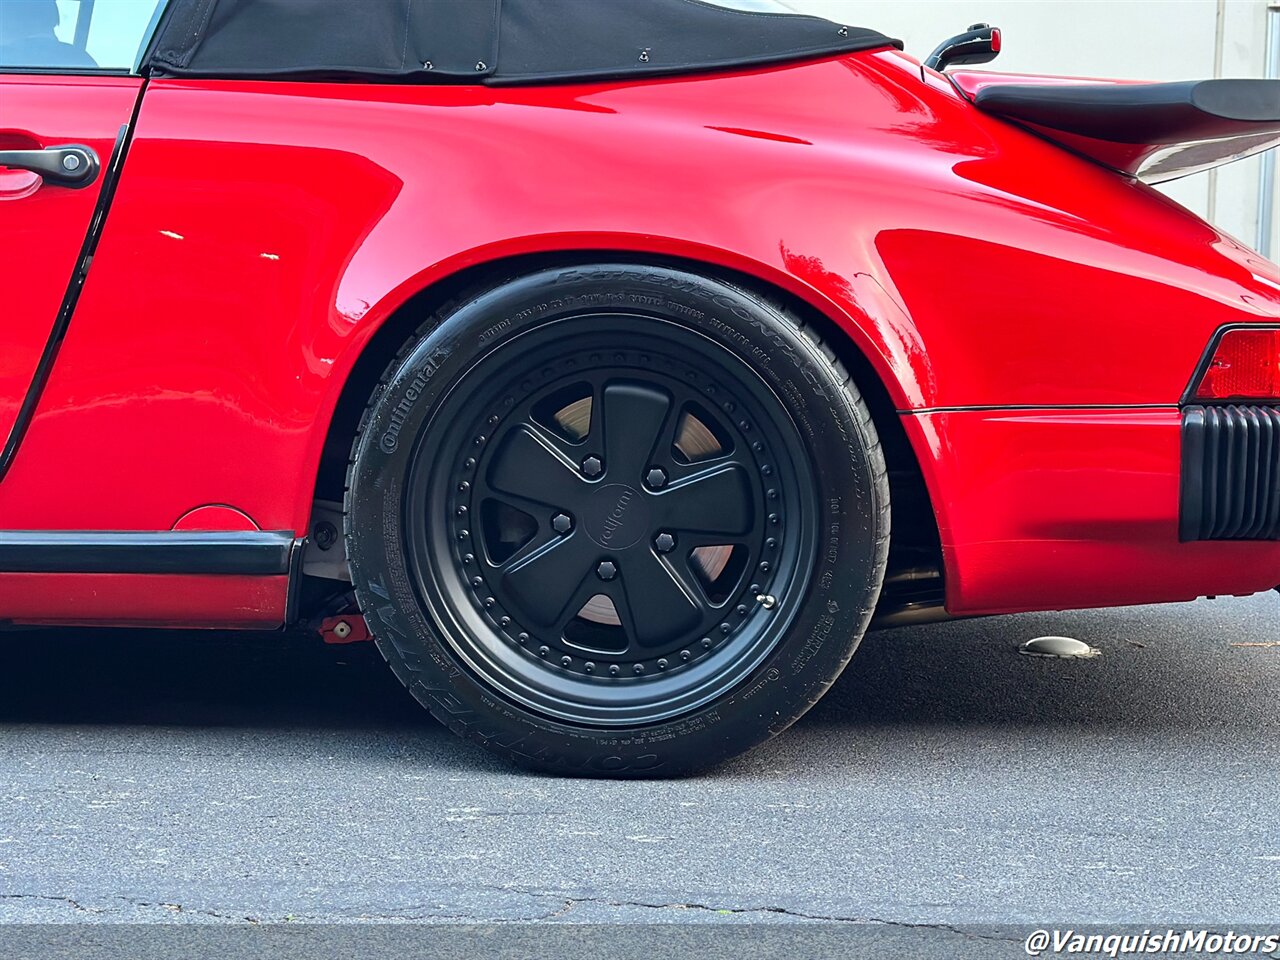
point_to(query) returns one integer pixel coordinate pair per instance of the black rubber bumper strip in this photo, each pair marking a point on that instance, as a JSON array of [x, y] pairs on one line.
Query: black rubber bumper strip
[[1230, 473], [252, 553]]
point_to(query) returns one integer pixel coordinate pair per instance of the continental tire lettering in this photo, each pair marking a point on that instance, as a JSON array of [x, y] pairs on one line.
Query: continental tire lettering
[[400, 413]]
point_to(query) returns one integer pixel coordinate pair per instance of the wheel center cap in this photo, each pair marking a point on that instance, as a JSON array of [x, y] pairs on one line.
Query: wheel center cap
[[616, 516]]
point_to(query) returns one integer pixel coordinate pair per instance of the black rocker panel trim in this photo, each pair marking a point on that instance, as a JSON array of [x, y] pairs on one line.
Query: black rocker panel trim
[[1230, 473], [1142, 113], [249, 553]]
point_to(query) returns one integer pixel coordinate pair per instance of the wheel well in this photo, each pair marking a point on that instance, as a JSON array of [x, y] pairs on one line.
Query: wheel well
[[913, 580]]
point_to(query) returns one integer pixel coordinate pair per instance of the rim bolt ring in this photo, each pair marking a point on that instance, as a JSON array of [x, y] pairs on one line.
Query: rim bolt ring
[[664, 542], [592, 467], [561, 523], [607, 570], [656, 478]]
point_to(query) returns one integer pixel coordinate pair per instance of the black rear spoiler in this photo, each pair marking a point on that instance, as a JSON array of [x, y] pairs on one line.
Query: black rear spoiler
[[1152, 131]]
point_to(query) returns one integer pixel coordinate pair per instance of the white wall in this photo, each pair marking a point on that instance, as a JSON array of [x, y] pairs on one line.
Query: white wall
[[1131, 39]]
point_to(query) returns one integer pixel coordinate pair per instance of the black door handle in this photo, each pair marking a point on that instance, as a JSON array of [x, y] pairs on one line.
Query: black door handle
[[68, 165]]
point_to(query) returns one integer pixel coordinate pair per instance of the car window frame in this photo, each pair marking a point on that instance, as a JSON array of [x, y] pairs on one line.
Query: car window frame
[[144, 46]]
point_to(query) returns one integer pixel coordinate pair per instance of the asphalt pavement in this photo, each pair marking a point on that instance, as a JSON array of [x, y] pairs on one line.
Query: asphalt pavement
[[944, 781]]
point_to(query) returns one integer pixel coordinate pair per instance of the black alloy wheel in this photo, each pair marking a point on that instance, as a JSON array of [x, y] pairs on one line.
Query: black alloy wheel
[[602, 521]]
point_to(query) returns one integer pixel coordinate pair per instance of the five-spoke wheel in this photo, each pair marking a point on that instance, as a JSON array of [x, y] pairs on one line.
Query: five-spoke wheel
[[622, 522]]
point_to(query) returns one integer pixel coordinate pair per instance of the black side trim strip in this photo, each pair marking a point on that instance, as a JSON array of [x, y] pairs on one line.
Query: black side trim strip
[[69, 299], [257, 553]]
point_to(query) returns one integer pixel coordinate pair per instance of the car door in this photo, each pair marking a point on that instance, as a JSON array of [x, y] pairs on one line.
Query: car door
[[68, 90]]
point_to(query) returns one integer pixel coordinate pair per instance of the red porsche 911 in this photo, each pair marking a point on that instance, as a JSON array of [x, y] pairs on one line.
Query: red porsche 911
[[614, 365]]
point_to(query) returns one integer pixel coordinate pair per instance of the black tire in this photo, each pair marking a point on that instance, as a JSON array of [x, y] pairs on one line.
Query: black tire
[[721, 613]]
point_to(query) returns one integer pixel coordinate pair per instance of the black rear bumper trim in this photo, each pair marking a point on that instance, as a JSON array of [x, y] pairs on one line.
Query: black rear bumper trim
[[1230, 473]]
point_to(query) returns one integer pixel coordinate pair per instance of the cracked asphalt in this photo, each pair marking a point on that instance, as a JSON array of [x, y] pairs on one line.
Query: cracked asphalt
[[944, 782]]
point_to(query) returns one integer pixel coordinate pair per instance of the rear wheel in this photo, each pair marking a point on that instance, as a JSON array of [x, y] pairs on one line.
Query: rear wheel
[[617, 519]]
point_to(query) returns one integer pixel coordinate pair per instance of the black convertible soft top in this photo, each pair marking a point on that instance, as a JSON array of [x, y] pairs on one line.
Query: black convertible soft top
[[483, 41]]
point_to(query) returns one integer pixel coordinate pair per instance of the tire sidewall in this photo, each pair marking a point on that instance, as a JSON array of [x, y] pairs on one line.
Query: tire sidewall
[[844, 583]]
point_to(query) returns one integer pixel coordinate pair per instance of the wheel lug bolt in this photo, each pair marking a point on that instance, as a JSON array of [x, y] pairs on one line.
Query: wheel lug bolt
[[639, 668], [589, 667], [543, 651], [565, 661], [561, 523], [607, 570], [664, 542], [592, 467], [656, 478], [662, 664], [613, 670]]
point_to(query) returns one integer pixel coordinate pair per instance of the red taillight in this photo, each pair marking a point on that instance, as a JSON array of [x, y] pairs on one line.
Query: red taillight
[[1245, 366]]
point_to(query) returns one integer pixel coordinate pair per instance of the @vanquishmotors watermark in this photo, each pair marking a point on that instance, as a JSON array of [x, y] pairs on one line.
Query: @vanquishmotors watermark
[[1069, 942]]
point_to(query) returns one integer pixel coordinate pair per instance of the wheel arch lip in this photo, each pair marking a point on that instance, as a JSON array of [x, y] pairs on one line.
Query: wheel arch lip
[[856, 302], [861, 309]]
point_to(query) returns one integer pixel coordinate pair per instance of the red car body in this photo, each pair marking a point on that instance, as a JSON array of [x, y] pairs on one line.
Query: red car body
[[1032, 319]]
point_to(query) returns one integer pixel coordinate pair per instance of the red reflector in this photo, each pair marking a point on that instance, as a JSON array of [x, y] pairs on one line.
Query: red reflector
[[995, 40], [1246, 366]]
